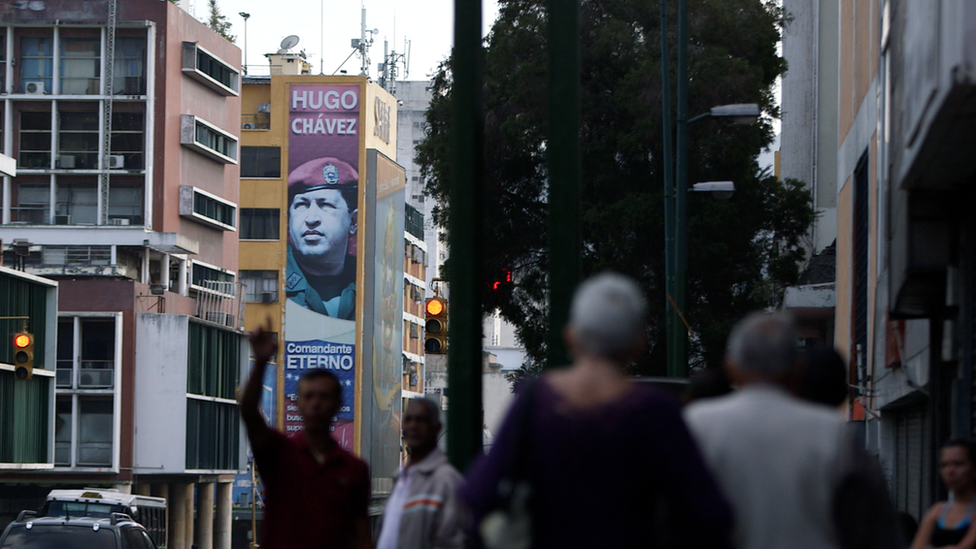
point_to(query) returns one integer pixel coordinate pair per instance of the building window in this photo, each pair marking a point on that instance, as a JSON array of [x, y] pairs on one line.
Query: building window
[[36, 64], [201, 274], [33, 203], [129, 75], [80, 66], [86, 377], [128, 141], [260, 286], [78, 140], [861, 283], [207, 139], [76, 201], [260, 224], [213, 368], [75, 255], [414, 222], [206, 208], [209, 206], [264, 162], [209, 70], [35, 140], [125, 204], [3, 62]]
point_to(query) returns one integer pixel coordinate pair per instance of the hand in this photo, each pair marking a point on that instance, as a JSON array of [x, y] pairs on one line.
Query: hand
[[263, 344]]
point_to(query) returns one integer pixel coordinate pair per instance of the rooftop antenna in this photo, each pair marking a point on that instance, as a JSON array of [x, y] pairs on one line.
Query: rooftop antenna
[[390, 68], [361, 46], [322, 37]]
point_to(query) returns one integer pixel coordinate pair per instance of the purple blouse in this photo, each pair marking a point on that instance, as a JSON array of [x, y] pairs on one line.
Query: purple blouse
[[610, 476]]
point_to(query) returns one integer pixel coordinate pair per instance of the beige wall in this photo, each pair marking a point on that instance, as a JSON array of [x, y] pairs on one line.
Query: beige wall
[[377, 100]]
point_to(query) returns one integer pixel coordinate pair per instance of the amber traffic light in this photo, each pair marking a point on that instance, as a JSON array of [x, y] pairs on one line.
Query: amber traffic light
[[23, 356], [435, 340]]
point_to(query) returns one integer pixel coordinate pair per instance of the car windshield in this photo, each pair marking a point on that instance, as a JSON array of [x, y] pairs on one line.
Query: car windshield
[[59, 537]]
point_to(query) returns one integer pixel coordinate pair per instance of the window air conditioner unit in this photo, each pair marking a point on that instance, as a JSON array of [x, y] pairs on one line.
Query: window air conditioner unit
[[34, 88], [116, 162], [121, 221], [268, 297], [62, 220], [66, 161], [264, 108], [249, 126]]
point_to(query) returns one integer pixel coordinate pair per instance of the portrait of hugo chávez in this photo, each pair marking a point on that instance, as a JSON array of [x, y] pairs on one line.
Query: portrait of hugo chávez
[[322, 211]]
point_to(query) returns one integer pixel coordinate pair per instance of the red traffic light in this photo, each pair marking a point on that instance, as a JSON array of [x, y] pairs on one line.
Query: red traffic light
[[435, 307], [22, 341]]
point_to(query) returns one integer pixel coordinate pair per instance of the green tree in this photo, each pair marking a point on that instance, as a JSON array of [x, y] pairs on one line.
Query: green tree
[[218, 21], [742, 251]]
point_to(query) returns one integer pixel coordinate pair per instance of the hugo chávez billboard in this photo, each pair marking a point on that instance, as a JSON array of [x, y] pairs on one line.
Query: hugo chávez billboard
[[321, 275]]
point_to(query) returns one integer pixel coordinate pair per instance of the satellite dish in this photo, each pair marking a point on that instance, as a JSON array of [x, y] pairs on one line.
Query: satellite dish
[[288, 43]]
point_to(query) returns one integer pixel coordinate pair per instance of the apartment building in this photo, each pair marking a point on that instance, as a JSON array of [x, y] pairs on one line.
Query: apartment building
[[124, 119], [308, 140]]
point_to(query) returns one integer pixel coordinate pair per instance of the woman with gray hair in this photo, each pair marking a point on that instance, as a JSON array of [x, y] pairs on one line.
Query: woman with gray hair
[[602, 455]]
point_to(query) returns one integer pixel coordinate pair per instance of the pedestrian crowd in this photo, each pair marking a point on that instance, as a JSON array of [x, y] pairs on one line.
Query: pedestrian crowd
[[757, 458]]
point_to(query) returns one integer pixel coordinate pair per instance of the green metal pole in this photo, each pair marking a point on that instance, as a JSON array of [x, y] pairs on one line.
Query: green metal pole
[[670, 317], [465, 237], [563, 149], [679, 368]]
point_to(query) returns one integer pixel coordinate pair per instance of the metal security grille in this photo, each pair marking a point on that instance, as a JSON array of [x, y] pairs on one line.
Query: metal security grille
[[913, 461]]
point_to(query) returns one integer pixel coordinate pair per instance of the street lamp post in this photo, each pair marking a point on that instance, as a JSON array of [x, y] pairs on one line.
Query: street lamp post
[[245, 16], [676, 192]]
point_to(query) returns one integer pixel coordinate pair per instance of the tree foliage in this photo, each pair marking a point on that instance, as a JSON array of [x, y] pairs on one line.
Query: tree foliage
[[742, 251], [218, 22]]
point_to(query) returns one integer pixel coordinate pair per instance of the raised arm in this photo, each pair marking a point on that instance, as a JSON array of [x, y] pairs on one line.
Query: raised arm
[[258, 432]]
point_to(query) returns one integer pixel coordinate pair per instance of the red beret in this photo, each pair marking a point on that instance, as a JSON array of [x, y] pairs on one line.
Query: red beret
[[322, 173]]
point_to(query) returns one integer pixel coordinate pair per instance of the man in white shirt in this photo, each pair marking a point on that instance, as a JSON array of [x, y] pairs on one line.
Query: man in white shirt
[[423, 510]]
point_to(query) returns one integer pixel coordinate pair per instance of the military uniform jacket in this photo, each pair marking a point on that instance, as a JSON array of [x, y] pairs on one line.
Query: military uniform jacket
[[341, 304]]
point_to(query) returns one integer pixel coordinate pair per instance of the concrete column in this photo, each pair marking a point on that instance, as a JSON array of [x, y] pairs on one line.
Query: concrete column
[[188, 517], [205, 515], [164, 271], [225, 506], [142, 489], [123, 488], [177, 517], [144, 274], [162, 491], [182, 284]]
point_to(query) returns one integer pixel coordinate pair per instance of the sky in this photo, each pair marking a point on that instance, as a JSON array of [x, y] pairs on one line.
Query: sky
[[427, 24]]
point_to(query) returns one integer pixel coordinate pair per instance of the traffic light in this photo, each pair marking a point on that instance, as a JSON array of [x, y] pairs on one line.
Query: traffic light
[[501, 284], [23, 355], [435, 341]]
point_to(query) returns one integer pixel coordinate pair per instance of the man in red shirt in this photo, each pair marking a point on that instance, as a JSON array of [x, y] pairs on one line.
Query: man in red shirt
[[316, 493]]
